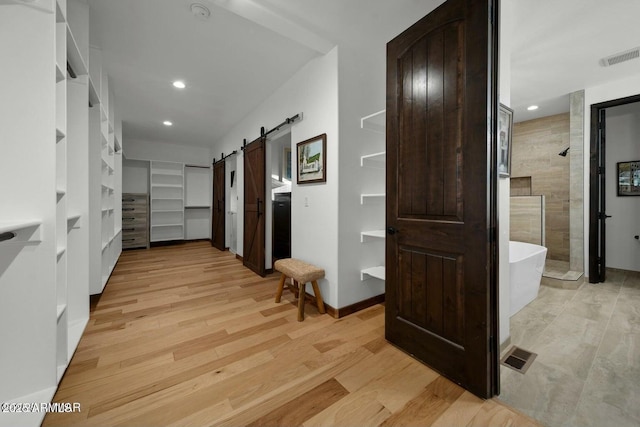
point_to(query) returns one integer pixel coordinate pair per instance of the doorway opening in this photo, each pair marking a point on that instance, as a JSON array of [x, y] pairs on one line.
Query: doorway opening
[[280, 150], [599, 187]]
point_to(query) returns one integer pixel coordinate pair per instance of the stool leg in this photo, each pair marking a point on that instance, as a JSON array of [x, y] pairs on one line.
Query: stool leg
[[319, 301], [301, 295], [280, 287]]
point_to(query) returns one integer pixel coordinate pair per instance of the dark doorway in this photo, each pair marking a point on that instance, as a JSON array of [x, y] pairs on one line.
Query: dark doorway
[[441, 250], [218, 208], [254, 206], [282, 226], [597, 188]]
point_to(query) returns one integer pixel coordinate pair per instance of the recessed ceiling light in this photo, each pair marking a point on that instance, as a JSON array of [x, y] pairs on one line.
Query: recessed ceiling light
[[532, 107], [179, 84], [167, 123]]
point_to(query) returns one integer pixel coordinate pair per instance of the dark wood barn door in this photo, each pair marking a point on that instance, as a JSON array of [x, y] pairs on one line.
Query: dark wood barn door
[[218, 213], [254, 206], [441, 270]]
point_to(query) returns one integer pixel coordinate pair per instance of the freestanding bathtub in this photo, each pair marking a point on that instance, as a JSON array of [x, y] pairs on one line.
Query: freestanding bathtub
[[526, 264]]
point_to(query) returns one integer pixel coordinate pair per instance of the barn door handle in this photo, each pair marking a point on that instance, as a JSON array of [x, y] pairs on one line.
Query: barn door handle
[[258, 201], [391, 231], [636, 237]]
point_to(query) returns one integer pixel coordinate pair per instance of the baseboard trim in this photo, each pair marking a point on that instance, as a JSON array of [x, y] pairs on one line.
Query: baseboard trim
[[350, 309], [505, 345], [239, 257]]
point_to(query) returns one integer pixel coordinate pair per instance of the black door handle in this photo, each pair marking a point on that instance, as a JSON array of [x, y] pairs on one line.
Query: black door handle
[[636, 237], [258, 201], [391, 231]]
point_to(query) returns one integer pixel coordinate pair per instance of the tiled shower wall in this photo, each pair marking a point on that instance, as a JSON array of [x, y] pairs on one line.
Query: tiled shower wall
[[536, 144]]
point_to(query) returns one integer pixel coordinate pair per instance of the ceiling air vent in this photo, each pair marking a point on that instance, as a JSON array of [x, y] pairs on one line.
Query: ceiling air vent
[[620, 57]]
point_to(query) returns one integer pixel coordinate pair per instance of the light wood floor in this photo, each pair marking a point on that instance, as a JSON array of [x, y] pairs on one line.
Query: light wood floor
[[185, 335]]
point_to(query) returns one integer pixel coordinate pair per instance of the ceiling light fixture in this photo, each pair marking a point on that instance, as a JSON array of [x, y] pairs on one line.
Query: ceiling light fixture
[[167, 123], [200, 11], [532, 107], [179, 84]]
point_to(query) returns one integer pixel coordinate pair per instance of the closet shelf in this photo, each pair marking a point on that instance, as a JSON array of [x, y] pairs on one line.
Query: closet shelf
[[197, 207], [377, 272], [166, 185], [61, 308], [379, 234], [166, 211], [166, 225], [374, 122], [60, 192], [94, 99], [38, 5], [364, 197], [20, 231], [376, 160], [59, 135], [74, 57], [60, 251], [60, 75]]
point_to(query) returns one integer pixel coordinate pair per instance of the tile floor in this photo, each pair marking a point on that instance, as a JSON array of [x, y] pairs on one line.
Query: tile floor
[[587, 372]]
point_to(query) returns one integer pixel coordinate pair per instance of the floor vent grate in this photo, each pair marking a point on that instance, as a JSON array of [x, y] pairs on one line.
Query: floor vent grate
[[518, 359]]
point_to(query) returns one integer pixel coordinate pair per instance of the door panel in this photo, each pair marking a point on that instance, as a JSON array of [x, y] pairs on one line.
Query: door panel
[[254, 207], [218, 212], [441, 186]]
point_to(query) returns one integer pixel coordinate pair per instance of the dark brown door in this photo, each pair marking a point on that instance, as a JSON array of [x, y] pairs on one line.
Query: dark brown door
[[441, 267], [218, 216], [254, 208]]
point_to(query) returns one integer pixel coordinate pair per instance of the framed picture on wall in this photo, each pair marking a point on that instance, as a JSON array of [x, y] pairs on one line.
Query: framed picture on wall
[[629, 178], [505, 123], [312, 160]]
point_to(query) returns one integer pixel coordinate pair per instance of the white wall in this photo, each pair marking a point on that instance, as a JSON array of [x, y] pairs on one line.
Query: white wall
[[507, 14], [135, 176], [312, 91], [594, 95], [623, 144], [162, 151]]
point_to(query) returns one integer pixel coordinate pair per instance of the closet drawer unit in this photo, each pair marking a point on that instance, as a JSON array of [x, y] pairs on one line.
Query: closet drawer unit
[[135, 221]]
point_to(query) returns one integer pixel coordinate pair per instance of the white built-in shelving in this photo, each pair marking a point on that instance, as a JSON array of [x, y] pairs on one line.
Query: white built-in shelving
[[197, 214], [167, 201], [372, 200], [45, 245]]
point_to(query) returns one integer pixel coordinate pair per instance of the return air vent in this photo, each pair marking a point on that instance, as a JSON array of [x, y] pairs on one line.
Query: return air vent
[[620, 57], [518, 359]]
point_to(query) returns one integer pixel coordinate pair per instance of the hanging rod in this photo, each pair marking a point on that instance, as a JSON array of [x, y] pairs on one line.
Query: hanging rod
[[196, 166], [287, 121]]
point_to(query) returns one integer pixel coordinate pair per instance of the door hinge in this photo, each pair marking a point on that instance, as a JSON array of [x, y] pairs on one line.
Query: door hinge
[[600, 170]]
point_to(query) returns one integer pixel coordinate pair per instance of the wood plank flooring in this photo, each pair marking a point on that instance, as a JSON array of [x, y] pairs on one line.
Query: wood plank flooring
[[186, 336]]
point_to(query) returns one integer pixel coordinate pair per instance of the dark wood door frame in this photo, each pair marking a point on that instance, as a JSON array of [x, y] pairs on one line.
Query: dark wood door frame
[[442, 247], [597, 187], [218, 208]]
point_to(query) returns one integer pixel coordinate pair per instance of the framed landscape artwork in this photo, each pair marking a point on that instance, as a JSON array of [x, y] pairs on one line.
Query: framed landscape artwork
[[505, 123], [312, 160]]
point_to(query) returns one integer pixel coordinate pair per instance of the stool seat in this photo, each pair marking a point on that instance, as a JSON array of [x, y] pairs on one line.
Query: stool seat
[[301, 272]]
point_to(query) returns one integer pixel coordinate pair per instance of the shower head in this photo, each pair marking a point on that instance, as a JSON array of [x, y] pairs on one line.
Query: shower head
[[564, 153]]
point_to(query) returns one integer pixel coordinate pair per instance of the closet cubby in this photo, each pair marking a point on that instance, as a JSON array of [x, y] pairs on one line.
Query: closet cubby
[[167, 201], [372, 198]]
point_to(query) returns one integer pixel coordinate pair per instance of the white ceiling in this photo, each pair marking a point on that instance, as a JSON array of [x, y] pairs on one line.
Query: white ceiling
[[248, 48]]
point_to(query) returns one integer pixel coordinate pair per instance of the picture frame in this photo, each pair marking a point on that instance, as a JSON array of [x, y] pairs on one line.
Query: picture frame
[[505, 136], [628, 174], [286, 163], [312, 160]]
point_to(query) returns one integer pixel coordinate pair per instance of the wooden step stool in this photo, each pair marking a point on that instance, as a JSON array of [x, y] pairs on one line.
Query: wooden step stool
[[301, 273]]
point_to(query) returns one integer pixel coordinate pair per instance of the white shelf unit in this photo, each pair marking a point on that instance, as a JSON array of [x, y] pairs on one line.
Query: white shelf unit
[[373, 164], [44, 280], [167, 201], [197, 213], [105, 160]]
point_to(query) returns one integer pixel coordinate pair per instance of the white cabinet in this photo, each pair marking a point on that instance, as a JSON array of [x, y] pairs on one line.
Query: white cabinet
[[372, 198], [167, 201]]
